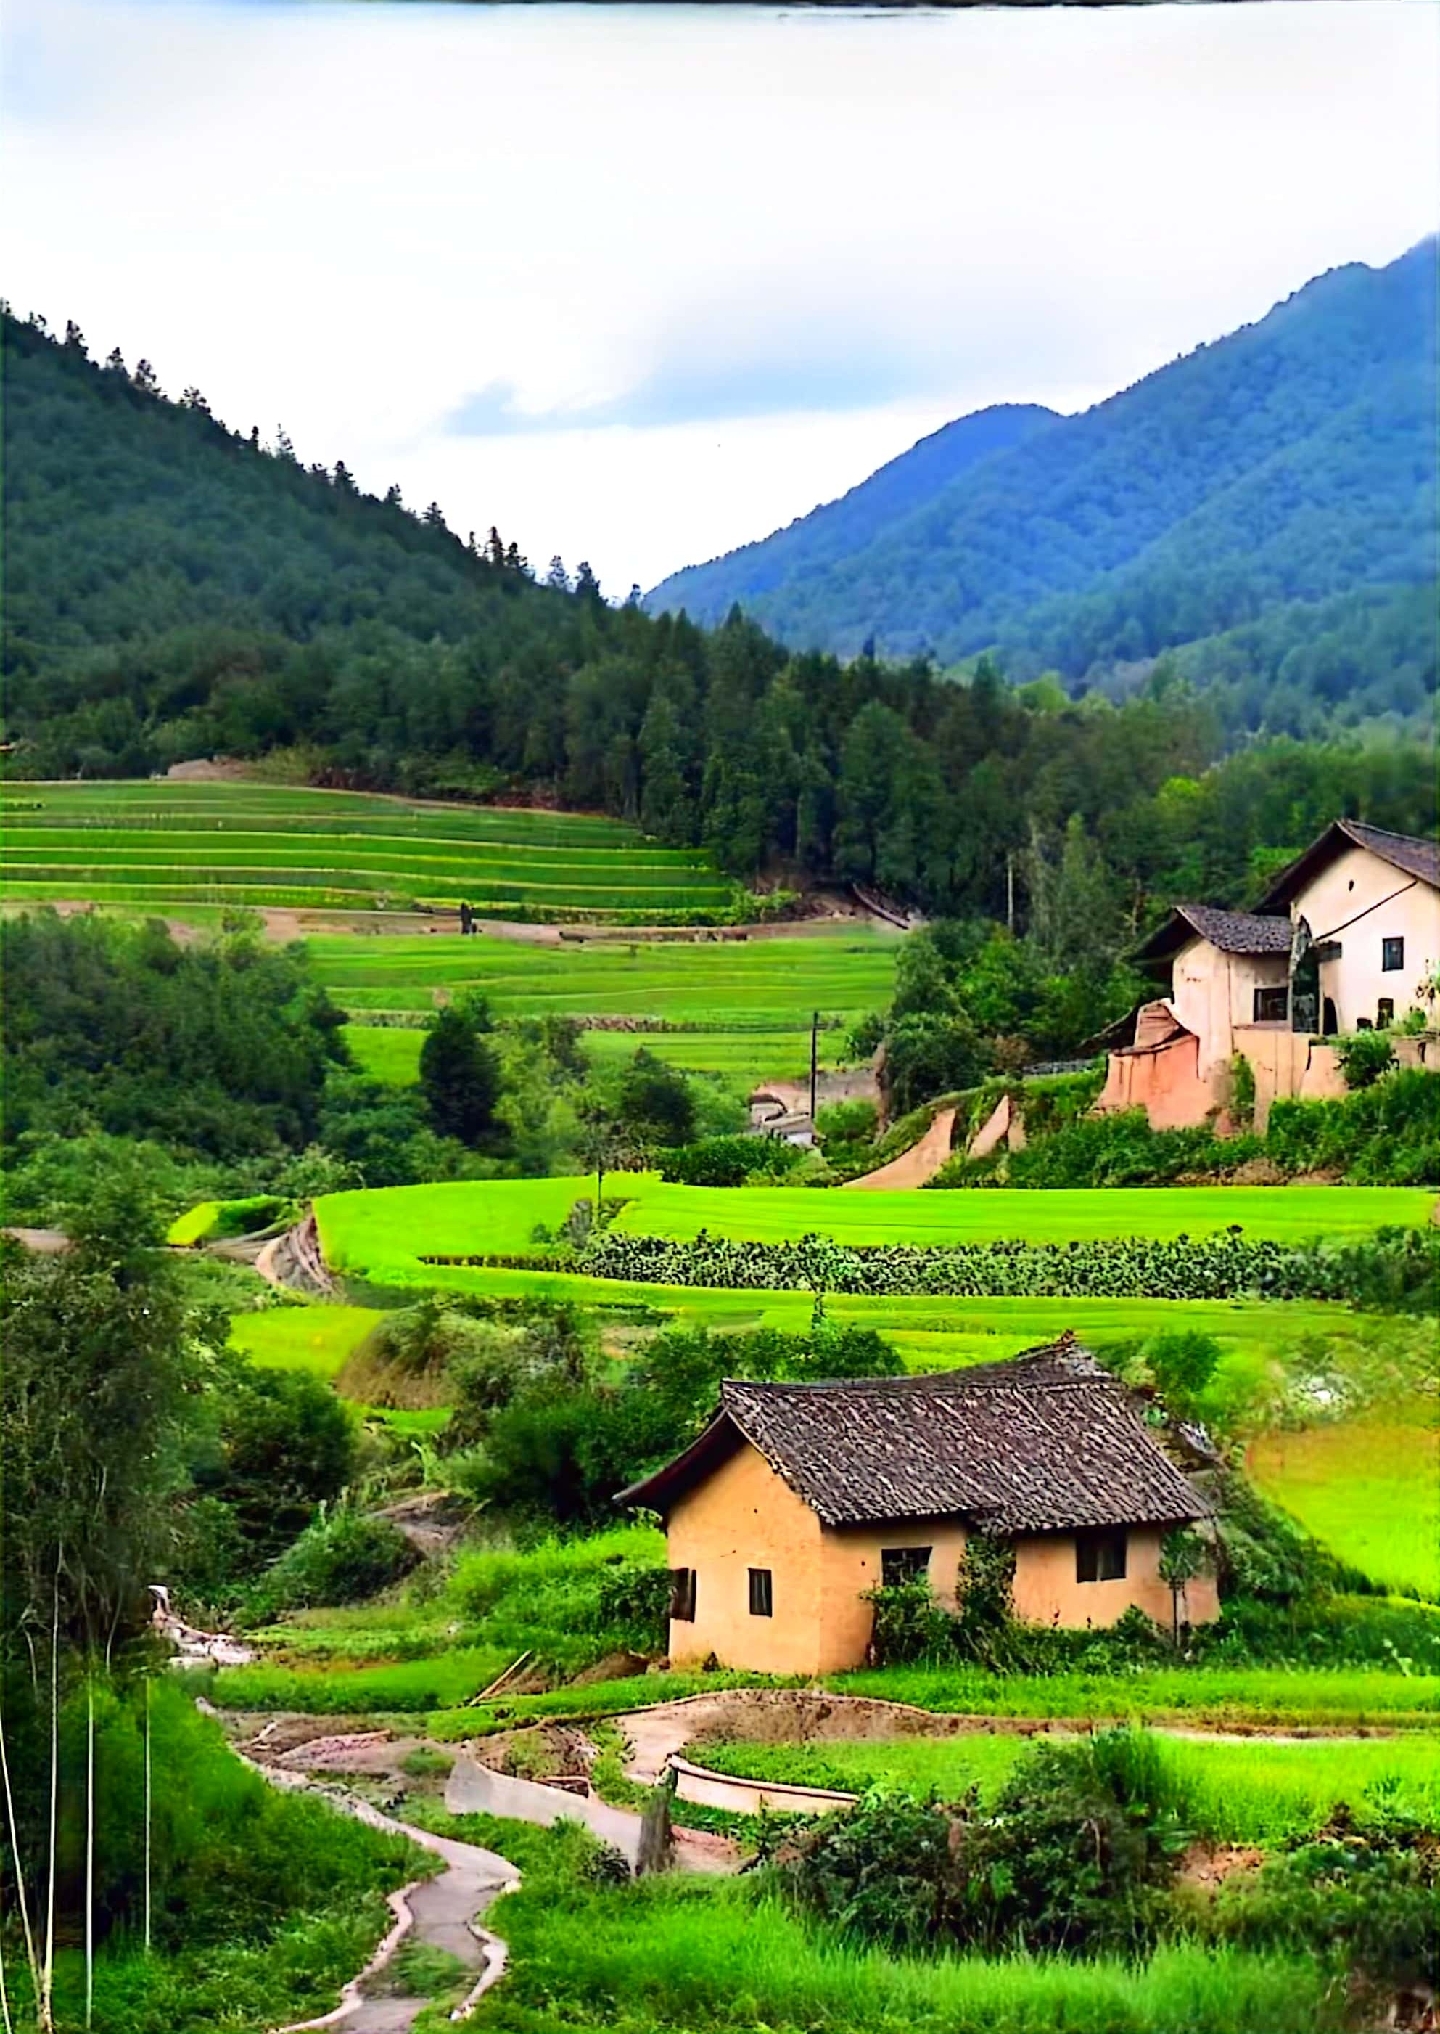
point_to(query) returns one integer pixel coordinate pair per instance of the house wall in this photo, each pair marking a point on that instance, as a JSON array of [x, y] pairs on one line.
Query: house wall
[[1212, 993], [745, 1516], [1288, 1063], [1394, 906], [1046, 1591], [1162, 1080], [851, 1565]]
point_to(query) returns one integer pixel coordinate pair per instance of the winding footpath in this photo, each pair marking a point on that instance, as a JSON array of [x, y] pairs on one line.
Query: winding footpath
[[442, 1912]]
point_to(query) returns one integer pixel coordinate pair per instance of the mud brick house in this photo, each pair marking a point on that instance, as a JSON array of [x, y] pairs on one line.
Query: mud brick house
[[799, 1498], [1347, 937]]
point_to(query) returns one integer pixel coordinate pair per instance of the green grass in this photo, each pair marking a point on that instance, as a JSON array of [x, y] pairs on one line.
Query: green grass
[[385, 1052], [194, 1225], [687, 1954], [1368, 1488], [382, 1233], [1249, 1697], [1255, 1792], [401, 1687], [319, 1338], [171, 845]]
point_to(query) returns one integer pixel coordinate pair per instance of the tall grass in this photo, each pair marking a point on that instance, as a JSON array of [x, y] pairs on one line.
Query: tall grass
[[701, 1955], [1255, 1792]]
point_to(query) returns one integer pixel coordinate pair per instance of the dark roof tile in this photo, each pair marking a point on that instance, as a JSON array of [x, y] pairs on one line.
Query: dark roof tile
[[1046, 1443]]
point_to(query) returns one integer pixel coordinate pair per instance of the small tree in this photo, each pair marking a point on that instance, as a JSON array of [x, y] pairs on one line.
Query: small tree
[[1183, 1556], [459, 1076], [655, 1102]]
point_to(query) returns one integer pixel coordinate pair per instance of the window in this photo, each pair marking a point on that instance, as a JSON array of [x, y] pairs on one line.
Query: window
[[1272, 1006], [1392, 955], [682, 1595], [1384, 1013], [899, 1565], [762, 1600], [1100, 1557]]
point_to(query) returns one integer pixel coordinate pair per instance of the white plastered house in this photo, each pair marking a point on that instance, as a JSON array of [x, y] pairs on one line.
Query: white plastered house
[[1346, 938]]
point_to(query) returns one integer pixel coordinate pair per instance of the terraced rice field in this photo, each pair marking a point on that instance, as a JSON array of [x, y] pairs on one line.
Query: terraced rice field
[[388, 1230], [389, 1053], [1369, 1488], [161, 846], [756, 985], [321, 1339]]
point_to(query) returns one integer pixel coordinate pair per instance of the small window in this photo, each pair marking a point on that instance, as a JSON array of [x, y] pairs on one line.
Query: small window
[[1100, 1557], [1385, 1013], [762, 1601], [1392, 955], [1272, 1006], [899, 1565], [682, 1595]]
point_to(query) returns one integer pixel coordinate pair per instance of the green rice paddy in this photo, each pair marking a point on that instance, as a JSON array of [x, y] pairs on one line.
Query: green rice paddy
[[392, 1053], [1369, 1488], [319, 1338], [761, 983], [383, 1233], [161, 845], [1254, 1792]]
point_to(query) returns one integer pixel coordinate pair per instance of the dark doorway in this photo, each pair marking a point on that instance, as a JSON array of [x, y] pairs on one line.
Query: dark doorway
[[1305, 995], [1329, 1022]]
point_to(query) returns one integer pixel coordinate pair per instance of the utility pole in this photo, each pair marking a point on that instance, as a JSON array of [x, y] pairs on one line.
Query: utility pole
[[1010, 892], [814, 1057]]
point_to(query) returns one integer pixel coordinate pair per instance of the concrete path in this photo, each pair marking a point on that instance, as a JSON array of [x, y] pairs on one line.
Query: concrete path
[[440, 1912], [913, 1167], [473, 1789]]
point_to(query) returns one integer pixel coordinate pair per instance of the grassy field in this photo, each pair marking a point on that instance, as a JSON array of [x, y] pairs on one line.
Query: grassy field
[[392, 1053], [381, 1233], [683, 1954], [1255, 1792], [318, 1338], [167, 845], [1369, 1488], [755, 984]]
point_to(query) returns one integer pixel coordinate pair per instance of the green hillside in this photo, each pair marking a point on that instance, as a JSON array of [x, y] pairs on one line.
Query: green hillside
[[1287, 466]]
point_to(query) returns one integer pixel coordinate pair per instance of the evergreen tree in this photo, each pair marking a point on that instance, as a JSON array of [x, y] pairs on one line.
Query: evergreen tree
[[459, 1076]]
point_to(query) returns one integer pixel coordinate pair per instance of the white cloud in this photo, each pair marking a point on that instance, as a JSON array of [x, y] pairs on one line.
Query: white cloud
[[741, 256]]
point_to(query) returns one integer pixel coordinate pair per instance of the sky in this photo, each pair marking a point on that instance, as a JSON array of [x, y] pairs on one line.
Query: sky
[[639, 284]]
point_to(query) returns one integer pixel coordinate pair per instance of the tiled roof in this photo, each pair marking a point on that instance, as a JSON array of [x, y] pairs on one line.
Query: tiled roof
[[1238, 931], [1408, 852], [1046, 1443]]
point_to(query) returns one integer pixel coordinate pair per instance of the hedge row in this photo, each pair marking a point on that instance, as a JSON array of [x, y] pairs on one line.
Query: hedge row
[[1213, 1267]]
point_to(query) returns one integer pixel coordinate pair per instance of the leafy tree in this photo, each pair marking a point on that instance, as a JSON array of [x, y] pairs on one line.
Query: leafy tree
[[655, 1102], [459, 1076]]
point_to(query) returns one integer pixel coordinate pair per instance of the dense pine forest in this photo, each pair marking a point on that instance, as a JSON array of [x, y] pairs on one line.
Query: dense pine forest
[[1263, 508], [177, 589]]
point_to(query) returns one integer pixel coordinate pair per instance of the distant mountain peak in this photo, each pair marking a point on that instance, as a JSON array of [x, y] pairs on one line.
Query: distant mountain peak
[[1284, 466]]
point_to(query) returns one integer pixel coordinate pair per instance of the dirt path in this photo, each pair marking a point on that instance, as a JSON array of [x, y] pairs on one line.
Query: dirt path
[[921, 1162]]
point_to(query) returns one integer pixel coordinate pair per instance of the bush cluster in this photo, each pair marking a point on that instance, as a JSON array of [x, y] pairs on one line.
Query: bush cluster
[[730, 1161]]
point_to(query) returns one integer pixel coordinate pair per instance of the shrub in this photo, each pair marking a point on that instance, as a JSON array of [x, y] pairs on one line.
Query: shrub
[[1076, 1855], [1365, 1057], [1370, 1892], [730, 1161], [343, 1557], [635, 1601]]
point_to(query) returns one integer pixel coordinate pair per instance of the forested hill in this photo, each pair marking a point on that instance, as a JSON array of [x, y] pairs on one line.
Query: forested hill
[[1266, 506], [176, 590]]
